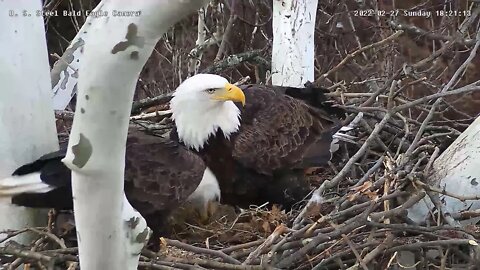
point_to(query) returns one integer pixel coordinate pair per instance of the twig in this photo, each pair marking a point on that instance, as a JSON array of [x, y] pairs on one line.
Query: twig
[[355, 53], [215, 264], [236, 59], [25, 254], [416, 246], [52, 236], [242, 246], [379, 249], [345, 169], [138, 106], [347, 227], [268, 242], [433, 157], [446, 193], [151, 115], [420, 32], [228, 29], [371, 171], [216, 253]]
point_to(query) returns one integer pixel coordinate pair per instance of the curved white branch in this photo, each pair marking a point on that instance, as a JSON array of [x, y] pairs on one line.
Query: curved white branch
[[116, 51]]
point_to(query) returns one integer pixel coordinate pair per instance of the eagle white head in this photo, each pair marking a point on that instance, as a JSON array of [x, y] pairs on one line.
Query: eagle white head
[[201, 105]]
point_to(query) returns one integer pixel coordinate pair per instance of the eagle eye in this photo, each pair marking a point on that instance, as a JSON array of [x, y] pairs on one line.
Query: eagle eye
[[210, 91]]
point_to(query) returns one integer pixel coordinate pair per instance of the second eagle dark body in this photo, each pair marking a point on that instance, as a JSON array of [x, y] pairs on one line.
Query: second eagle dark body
[[160, 174]]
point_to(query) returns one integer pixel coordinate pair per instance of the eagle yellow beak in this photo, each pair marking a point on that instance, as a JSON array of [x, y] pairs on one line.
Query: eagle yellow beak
[[230, 92]]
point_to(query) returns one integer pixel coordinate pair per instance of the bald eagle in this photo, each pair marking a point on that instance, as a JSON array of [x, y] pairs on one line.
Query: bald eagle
[[245, 145], [160, 174], [257, 140]]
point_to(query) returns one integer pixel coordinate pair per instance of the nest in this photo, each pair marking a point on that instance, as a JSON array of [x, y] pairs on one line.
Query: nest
[[356, 216]]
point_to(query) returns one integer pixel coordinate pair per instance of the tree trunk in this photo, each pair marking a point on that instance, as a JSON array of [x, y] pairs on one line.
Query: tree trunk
[[456, 171], [64, 73], [110, 233], [196, 54], [293, 42], [27, 122]]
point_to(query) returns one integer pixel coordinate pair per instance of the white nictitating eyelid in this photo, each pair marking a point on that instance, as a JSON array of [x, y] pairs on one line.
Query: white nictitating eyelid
[[211, 91]]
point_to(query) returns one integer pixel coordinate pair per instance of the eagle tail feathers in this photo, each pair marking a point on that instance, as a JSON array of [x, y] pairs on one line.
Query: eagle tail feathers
[[18, 184]]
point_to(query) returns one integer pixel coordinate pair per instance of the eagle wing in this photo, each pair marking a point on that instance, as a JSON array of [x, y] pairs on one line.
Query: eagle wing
[[281, 132], [160, 173]]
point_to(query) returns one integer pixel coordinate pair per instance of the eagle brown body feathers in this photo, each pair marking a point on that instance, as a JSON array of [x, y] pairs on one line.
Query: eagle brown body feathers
[[160, 174], [264, 161]]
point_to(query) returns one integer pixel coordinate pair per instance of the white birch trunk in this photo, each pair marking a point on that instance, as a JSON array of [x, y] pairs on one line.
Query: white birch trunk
[[64, 73], [110, 233], [27, 122], [293, 42], [196, 53], [456, 171]]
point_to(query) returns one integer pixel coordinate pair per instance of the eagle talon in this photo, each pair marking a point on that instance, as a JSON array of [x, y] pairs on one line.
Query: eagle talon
[[206, 197], [205, 213]]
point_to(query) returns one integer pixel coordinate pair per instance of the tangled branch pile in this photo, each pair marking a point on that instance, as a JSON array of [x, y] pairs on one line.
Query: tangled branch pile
[[415, 90]]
